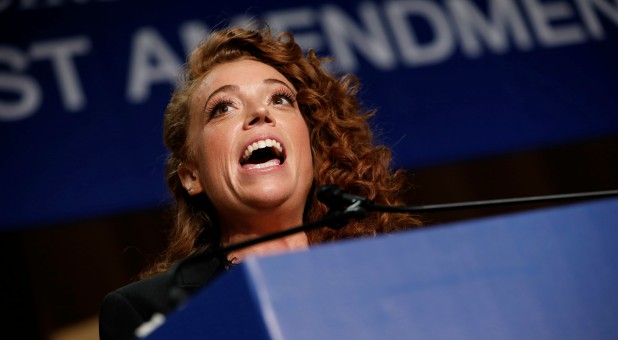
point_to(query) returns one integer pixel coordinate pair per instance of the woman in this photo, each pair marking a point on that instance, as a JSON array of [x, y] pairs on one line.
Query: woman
[[254, 128]]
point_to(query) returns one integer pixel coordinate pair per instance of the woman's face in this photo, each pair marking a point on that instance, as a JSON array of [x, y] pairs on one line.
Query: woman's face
[[251, 142]]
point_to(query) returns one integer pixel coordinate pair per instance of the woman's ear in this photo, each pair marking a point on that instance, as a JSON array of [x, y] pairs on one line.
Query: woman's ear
[[190, 178]]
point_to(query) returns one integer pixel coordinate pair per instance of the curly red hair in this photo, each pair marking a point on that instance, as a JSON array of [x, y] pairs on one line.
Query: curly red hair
[[342, 142]]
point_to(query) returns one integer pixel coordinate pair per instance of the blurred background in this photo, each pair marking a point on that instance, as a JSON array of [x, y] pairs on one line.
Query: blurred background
[[477, 99]]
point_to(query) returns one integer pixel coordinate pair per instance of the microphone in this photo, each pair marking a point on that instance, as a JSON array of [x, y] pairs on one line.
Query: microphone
[[342, 206], [335, 198]]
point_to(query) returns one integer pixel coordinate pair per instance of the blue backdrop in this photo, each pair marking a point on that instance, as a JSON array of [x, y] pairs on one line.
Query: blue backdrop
[[83, 85]]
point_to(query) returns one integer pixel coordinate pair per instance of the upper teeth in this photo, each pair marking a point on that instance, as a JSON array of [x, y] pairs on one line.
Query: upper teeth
[[261, 144]]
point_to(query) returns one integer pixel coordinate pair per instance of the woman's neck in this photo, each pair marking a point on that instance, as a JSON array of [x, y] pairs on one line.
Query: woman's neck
[[248, 227], [292, 242]]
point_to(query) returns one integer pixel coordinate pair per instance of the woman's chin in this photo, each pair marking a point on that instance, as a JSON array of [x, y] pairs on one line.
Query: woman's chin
[[269, 197], [267, 200]]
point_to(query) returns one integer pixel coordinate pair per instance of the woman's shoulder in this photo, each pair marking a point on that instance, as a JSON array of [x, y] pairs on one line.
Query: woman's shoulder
[[126, 308], [147, 294]]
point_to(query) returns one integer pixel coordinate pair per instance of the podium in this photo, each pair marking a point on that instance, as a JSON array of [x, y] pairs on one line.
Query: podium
[[545, 274]]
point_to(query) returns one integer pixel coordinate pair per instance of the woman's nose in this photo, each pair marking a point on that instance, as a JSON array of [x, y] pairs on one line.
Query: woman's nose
[[258, 115]]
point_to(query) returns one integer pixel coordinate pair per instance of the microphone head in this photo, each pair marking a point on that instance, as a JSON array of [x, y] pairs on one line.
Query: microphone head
[[328, 192], [342, 204], [335, 198]]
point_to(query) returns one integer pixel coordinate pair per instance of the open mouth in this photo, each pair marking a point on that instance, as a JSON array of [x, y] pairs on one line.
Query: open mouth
[[263, 153]]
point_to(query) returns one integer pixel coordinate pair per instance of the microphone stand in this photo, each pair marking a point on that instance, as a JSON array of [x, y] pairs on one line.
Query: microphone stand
[[339, 215], [492, 203]]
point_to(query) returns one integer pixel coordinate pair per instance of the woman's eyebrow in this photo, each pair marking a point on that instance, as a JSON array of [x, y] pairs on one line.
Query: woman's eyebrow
[[277, 81], [220, 89]]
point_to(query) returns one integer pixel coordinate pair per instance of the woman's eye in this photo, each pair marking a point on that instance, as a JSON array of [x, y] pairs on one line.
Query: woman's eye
[[220, 109], [280, 100], [283, 99], [223, 109]]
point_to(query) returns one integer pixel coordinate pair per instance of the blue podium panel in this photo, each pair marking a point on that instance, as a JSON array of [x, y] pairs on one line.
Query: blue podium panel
[[546, 274]]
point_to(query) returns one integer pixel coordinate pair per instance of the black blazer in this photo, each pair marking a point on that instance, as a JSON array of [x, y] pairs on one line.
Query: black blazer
[[125, 309]]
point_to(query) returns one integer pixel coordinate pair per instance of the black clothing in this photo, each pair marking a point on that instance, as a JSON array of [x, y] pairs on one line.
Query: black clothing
[[125, 309]]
